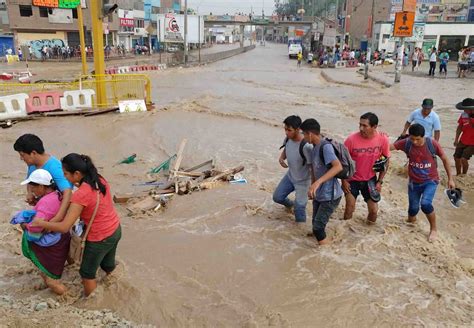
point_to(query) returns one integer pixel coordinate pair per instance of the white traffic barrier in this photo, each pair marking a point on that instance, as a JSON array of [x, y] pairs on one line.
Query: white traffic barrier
[[340, 64], [123, 69], [77, 99], [13, 106]]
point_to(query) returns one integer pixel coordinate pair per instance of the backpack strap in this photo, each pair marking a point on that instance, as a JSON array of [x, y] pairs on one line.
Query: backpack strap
[[408, 145], [324, 142], [303, 157], [284, 143], [431, 147]]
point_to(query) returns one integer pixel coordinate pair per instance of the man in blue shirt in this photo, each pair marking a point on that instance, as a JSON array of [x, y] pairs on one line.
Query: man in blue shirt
[[325, 189], [31, 150], [427, 118]]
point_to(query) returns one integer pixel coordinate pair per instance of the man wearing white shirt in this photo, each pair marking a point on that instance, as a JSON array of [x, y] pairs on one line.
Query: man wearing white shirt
[[427, 118], [432, 62]]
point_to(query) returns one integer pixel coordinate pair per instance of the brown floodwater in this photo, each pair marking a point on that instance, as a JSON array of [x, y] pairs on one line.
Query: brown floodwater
[[230, 257]]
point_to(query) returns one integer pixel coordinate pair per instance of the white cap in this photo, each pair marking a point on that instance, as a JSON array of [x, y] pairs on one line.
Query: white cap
[[39, 176]]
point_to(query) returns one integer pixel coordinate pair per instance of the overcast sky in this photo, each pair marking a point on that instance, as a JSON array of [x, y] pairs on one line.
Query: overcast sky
[[220, 7]]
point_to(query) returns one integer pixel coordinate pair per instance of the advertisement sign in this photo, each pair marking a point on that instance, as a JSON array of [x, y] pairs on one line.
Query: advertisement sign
[[46, 3], [126, 18], [403, 26], [171, 28], [65, 4]]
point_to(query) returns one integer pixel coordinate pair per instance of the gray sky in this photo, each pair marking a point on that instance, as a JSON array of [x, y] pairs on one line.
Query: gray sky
[[220, 7]]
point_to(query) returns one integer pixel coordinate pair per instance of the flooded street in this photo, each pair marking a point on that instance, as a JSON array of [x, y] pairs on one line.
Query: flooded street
[[230, 257]]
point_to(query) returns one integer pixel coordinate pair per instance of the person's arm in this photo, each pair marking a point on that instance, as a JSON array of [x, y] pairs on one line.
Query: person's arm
[[382, 174], [336, 167], [282, 159], [74, 211], [458, 134], [405, 128], [67, 194], [437, 135], [447, 168]]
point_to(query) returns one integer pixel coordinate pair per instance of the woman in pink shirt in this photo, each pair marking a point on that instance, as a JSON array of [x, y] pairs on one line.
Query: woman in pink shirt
[[47, 251]]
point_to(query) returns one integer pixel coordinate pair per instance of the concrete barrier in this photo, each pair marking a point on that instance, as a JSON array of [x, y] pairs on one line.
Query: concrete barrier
[[77, 99], [13, 106]]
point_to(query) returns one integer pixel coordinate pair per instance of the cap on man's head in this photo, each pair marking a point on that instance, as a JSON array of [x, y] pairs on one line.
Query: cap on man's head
[[39, 176], [427, 103]]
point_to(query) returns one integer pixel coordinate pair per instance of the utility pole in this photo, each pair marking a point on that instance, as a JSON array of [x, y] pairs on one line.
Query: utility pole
[[98, 42], [199, 37], [185, 32], [80, 22], [399, 63], [369, 49]]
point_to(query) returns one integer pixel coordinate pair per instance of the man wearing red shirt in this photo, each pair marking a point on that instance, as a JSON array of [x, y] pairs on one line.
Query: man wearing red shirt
[[366, 147], [464, 139], [423, 174]]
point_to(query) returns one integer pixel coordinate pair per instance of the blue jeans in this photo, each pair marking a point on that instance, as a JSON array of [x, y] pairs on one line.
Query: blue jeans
[[421, 195], [322, 211], [286, 187]]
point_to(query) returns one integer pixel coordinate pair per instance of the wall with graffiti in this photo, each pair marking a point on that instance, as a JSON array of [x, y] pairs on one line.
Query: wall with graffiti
[[37, 45]]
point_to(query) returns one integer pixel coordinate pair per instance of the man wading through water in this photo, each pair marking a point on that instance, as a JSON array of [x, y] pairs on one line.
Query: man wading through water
[[370, 150], [325, 190], [298, 154]]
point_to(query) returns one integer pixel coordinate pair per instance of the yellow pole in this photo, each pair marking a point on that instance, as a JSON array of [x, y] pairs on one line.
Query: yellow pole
[[98, 47], [81, 37]]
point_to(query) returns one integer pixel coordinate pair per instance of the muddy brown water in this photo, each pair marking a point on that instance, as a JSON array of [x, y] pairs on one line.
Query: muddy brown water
[[230, 256]]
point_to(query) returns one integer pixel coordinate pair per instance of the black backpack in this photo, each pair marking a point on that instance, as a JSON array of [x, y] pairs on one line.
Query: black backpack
[[302, 144], [342, 154]]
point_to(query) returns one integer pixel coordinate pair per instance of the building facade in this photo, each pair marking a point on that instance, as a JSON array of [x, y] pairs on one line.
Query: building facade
[[39, 23], [441, 35]]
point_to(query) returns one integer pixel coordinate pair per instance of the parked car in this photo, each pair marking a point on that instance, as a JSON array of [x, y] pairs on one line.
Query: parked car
[[294, 49]]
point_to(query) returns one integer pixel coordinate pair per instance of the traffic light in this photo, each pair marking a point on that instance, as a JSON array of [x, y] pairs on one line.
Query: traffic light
[[108, 8]]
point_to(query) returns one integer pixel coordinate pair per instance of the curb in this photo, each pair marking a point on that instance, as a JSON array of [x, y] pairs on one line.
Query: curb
[[329, 79], [376, 79]]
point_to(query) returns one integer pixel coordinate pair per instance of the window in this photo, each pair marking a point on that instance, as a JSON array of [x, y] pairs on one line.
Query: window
[[26, 11], [139, 23], [74, 13], [43, 11]]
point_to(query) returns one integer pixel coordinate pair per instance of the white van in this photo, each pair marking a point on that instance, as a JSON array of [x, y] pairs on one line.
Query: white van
[[294, 49]]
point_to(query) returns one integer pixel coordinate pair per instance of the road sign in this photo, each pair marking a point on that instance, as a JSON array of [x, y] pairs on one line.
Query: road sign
[[409, 5], [403, 26]]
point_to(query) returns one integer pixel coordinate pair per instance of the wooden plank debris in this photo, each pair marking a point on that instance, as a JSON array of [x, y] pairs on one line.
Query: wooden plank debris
[[179, 157]]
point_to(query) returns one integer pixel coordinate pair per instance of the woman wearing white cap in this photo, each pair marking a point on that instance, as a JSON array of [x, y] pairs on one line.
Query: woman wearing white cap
[[47, 251]]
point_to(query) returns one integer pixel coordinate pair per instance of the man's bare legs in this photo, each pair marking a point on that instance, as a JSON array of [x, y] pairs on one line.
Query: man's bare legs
[[373, 210], [350, 206], [433, 230]]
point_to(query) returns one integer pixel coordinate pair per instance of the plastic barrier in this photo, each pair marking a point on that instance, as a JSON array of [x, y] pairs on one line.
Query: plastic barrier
[[340, 64], [13, 106], [77, 99], [46, 101]]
